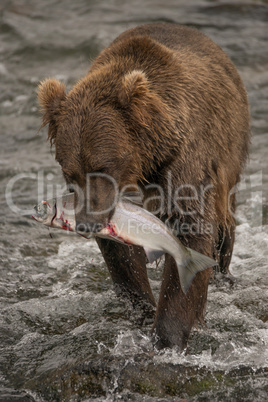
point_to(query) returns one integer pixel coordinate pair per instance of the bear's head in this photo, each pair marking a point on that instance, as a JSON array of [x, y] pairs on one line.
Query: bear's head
[[103, 131]]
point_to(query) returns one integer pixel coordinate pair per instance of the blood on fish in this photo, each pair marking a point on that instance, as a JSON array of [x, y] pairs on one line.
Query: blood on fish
[[112, 231], [66, 225], [111, 228], [46, 203]]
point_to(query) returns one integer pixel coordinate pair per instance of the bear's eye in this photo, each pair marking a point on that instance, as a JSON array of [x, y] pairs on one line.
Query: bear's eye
[[101, 170]]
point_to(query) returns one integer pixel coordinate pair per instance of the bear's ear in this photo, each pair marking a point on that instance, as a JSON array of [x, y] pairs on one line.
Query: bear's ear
[[145, 105], [134, 87], [50, 95]]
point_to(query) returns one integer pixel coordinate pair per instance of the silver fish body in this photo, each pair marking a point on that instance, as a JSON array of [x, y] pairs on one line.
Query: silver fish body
[[131, 224]]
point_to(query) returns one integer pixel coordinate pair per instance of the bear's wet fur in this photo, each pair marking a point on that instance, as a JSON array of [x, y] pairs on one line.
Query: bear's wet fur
[[161, 106]]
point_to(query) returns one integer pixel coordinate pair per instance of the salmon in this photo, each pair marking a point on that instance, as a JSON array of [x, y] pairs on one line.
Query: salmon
[[132, 225]]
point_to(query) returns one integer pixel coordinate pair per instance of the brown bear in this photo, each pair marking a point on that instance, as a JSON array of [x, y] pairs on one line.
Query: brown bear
[[162, 110]]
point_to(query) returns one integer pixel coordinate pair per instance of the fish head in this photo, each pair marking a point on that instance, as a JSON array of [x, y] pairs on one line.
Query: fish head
[[43, 213]]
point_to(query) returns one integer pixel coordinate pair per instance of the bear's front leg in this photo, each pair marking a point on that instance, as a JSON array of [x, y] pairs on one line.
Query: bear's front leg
[[176, 312], [127, 266]]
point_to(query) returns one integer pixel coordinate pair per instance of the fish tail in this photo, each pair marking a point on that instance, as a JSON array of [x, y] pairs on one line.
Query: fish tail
[[195, 262]]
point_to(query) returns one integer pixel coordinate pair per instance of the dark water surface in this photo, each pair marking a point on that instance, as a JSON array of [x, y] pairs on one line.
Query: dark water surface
[[63, 333]]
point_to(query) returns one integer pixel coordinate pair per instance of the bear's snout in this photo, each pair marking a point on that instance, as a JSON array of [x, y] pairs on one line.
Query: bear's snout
[[94, 206]]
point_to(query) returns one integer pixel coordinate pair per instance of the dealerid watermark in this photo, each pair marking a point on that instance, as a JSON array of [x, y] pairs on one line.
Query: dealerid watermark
[[165, 201]]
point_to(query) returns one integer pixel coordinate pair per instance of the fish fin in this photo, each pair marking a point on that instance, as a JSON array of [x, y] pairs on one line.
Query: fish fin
[[153, 255], [195, 262]]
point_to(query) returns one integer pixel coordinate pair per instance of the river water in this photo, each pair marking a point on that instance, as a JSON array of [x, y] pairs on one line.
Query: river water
[[64, 336]]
